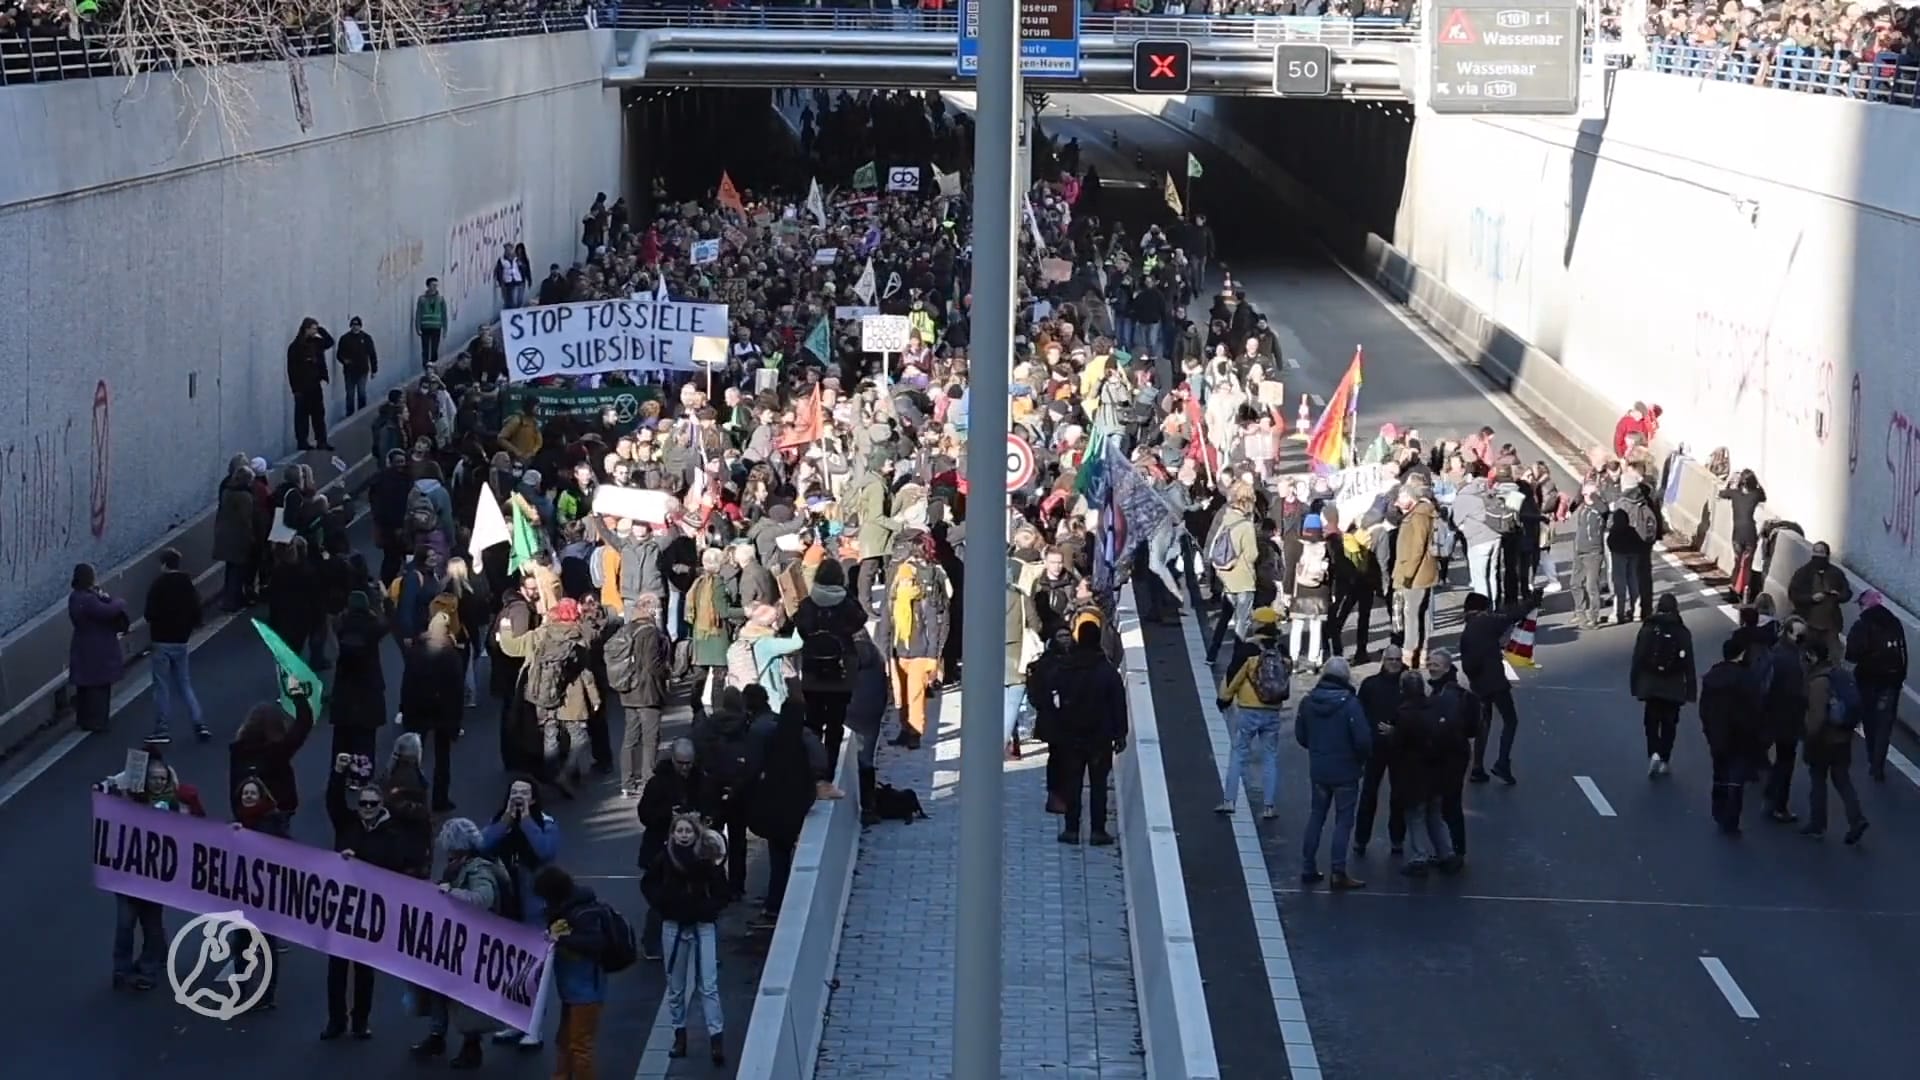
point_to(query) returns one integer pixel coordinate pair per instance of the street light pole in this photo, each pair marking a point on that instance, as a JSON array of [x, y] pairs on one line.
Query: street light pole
[[996, 191]]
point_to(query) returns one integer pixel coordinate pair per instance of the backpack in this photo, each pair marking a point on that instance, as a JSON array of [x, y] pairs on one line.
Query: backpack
[[823, 658], [506, 902], [1883, 657], [1665, 653], [1272, 677], [1220, 553], [421, 517], [743, 670], [1311, 571], [897, 804], [619, 949], [556, 663], [1645, 525], [1843, 701], [1443, 540], [622, 656], [1499, 516], [725, 762]]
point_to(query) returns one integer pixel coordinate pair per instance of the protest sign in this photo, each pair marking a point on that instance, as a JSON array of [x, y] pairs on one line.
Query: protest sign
[[826, 256], [853, 312], [705, 251], [633, 504], [735, 237], [320, 900], [884, 333], [597, 336], [1052, 270], [903, 178], [556, 401]]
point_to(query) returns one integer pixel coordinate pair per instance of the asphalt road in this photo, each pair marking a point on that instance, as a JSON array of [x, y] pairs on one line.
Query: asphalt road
[[1573, 946], [60, 929]]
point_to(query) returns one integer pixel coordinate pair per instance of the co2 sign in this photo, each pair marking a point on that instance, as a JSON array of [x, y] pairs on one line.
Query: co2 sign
[[1020, 465], [1302, 71]]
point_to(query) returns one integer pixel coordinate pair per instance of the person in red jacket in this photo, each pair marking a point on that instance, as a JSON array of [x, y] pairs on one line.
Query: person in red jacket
[[1639, 421]]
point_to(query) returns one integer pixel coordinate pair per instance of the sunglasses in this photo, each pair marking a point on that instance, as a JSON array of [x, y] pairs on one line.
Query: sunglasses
[[369, 804]]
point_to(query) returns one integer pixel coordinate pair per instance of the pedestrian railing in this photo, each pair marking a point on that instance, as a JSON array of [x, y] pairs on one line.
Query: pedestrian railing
[[1258, 29], [1890, 78], [88, 52]]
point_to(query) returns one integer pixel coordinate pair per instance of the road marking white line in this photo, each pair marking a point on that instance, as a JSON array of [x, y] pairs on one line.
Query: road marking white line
[[1729, 989], [1592, 791], [1296, 1036]]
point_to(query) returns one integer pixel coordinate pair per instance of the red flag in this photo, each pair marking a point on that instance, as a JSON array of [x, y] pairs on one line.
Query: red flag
[[809, 422], [729, 196], [1331, 443]]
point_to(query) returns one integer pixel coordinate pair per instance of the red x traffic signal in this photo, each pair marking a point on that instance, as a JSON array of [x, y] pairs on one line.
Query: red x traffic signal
[[1161, 67]]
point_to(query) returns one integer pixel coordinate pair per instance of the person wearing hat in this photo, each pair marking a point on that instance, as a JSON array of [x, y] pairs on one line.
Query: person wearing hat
[[1816, 592], [1877, 649], [1311, 595], [1253, 708], [358, 359]]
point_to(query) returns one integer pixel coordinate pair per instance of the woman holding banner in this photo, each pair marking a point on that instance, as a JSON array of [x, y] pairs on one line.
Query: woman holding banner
[[471, 878]]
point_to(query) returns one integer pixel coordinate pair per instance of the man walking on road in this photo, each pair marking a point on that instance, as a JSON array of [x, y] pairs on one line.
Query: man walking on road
[[173, 613], [1482, 659], [1333, 727]]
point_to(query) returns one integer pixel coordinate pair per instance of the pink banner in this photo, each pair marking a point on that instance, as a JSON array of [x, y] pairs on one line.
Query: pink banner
[[342, 907]]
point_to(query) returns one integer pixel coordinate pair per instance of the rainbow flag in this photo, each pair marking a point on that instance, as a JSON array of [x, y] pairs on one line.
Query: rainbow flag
[[1330, 445]]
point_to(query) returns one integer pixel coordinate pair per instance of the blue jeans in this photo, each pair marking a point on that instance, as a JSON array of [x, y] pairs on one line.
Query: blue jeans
[[1480, 559], [172, 688], [1253, 728], [1016, 697], [1880, 705], [1345, 799], [676, 606], [356, 387], [690, 947], [128, 914]]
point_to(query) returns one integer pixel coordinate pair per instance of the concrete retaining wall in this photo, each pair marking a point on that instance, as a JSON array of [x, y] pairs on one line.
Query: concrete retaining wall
[[790, 1009], [1174, 1023], [1673, 252], [159, 264]]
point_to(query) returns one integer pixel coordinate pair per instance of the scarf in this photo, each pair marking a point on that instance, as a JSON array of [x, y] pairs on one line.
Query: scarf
[[905, 592]]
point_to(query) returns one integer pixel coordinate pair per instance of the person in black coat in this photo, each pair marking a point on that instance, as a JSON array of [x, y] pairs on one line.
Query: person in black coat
[[828, 622], [433, 700], [295, 604], [1784, 706], [307, 378], [1664, 676], [643, 701], [785, 769], [1460, 718], [363, 829], [1380, 697], [1088, 701], [1730, 717], [1877, 649], [1482, 659], [678, 786], [265, 745], [1744, 495], [521, 748]]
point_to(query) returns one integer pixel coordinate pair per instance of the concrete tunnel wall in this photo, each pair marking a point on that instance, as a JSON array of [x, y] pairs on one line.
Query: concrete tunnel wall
[[158, 263], [1747, 259]]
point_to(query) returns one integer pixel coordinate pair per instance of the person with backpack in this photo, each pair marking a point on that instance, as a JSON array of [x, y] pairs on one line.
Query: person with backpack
[[786, 770], [913, 628], [1232, 554], [590, 941], [1833, 709], [523, 839], [1877, 649], [557, 682], [1664, 676], [1633, 526], [429, 514], [1330, 724], [1483, 640], [431, 700], [759, 656], [1731, 721], [683, 881], [1311, 595], [827, 621], [637, 656], [1252, 699], [1422, 542], [1477, 512], [720, 742], [469, 877]]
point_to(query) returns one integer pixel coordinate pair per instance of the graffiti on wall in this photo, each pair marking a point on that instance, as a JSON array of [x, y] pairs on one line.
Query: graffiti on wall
[[1494, 253], [400, 264], [44, 476], [473, 247], [100, 477], [1902, 447], [1757, 382]]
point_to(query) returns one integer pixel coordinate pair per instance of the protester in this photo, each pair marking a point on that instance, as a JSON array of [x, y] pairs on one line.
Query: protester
[[685, 888], [1482, 658], [94, 662], [469, 877], [173, 614], [1333, 728], [363, 829], [1252, 699], [786, 771], [264, 746], [1833, 710], [1663, 676], [523, 839], [583, 931], [306, 377], [430, 700], [637, 657], [159, 787], [1877, 649], [1087, 700], [1730, 718]]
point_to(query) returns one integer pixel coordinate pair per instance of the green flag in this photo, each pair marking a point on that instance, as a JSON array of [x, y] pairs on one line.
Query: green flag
[[866, 177], [1194, 170], [291, 665], [526, 541], [820, 341], [1085, 479]]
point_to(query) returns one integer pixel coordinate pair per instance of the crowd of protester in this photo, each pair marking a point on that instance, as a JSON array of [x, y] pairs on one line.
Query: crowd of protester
[[1812, 44]]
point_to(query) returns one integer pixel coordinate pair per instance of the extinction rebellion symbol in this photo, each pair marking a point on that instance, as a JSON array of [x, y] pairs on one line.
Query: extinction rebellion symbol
[[530, 361]]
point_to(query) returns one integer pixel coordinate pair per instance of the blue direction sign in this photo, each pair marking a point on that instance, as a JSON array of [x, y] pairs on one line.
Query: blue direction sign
[[1049, 39]]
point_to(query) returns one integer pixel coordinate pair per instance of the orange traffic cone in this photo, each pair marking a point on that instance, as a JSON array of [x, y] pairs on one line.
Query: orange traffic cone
[[1520, 645]]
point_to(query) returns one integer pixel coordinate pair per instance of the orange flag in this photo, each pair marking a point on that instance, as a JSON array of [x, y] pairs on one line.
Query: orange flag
[[730, 195], [808, 423]]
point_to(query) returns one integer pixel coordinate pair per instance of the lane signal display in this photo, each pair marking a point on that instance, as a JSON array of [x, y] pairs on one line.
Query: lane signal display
[[1162, 67]]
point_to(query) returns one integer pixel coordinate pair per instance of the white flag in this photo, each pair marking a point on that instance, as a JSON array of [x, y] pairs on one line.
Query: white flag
[[1033, 223], [864, 288], [949, 183], [489, 524], [660, 289], [893, 286], [816, 205]]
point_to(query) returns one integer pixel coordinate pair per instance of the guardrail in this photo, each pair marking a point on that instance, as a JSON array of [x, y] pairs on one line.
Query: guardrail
[[1888, 78], [1259, 29], [48, 55]]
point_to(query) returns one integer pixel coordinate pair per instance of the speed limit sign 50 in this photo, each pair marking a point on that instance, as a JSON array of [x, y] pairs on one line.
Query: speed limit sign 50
[[1019, 462]]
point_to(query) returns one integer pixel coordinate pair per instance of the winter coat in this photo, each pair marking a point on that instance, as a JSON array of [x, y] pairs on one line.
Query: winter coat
[[1470, 514], [1784, 697], [650, 653], [1238, 578], [683, 888], [172, 610], [1333, 727], [380, 843], [1677, 687], [272, 762], [667, 793], [1877, 647], [236, 522], [578, 977], [639, 563], [828, 610], [433, 687], [1483, 647], [1824, 742], [1730, 712], [522, 848], [784, 763], [581, 699], [1414, 566], [1080, 696], [1623, 536], [1590, 530], [869, 515], [925, 637], [708, 602], [93, 656], [477, 881], [1819, 576]]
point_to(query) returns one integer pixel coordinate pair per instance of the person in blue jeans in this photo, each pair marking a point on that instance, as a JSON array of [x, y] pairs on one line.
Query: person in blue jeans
[[1333, 727], [1877, 649], [1255, 720], [173, 613]]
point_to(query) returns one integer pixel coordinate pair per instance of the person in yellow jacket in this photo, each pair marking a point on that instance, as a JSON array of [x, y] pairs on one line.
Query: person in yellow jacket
[[1252, 704]]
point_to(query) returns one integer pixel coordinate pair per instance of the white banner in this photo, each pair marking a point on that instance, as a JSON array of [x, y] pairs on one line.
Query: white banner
[[949, 182], [852, 312], [903, 178], [607, 335], [826, 256], [705, 251], [884, 333], [632, 504]]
